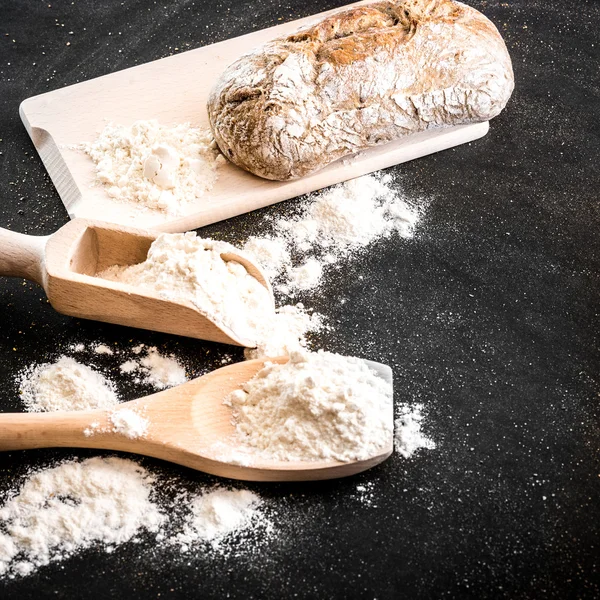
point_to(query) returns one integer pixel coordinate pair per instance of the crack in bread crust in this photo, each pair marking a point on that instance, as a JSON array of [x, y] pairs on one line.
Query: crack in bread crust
[[358, 78]]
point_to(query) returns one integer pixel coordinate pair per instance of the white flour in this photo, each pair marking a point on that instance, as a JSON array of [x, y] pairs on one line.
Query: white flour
[[129, 423], [184, 267], [409, 438], [75, 505], [217, 514], [103, 349], [307, 275], [271, 254], [350, 216], [317, 406], [332, 225], [155, 369], [65, 385], [284, 332], [154, 166], [308, 411], [365, 494]]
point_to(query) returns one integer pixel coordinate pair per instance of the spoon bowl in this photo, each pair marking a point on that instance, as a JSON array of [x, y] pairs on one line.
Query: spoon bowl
[[66, 263], [188, 425]]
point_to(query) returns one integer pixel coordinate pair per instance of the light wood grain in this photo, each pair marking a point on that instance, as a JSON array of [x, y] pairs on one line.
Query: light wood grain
[[66, 264], [22, 255], [174, 90], [188, 425]]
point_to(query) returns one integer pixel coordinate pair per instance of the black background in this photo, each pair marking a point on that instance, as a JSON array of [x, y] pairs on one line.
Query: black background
[[488, 317]]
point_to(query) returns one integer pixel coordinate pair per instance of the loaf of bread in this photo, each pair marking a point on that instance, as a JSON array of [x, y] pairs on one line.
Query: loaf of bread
[[363, 76]]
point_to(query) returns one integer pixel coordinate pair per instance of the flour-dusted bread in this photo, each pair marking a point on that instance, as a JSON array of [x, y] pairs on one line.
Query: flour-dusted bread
[[361, 77]]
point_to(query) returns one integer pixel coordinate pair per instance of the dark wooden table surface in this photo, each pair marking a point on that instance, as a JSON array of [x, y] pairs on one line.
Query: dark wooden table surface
[[489, 318]]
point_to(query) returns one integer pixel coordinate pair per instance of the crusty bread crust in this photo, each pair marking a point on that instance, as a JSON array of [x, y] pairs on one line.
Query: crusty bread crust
[[361, 77]]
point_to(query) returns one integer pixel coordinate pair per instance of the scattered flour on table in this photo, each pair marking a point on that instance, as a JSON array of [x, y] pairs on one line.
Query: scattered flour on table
[[154, 166], [103, 349], [316, 406], [365, 494], [73, 506], [307, 275], [219, 513], [332, 225], [284, 332], [351, 215], [271, 254], [156, 369], [408, 437], [129, 423], [65, 385]]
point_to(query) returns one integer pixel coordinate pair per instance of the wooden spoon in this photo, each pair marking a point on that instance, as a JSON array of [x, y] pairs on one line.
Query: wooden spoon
[[188, 425], [65, 265]]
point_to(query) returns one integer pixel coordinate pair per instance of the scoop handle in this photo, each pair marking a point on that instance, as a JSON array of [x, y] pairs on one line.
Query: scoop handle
[[22, 255]]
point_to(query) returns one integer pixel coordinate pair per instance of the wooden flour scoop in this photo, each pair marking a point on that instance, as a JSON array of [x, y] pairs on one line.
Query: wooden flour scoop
[[188, 425], [65, 265]]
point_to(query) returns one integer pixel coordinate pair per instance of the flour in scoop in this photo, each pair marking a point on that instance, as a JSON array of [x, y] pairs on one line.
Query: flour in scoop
[[154, 166], [65, 385], [317, 406], [185, 267], [76, 505]]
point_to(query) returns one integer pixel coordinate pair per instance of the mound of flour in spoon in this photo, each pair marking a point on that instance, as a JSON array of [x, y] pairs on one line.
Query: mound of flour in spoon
[[317, 406]]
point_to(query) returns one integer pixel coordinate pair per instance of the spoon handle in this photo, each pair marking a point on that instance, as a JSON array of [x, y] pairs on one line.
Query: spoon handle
[[22, 255], [23, 431]]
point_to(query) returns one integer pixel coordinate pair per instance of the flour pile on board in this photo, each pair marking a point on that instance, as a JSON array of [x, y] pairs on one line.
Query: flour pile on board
[[332, 225], [154, 368], [317, 406], [219, 513], [408, 437], [185, 267], [65, 385], [154, 166], [75, 505]]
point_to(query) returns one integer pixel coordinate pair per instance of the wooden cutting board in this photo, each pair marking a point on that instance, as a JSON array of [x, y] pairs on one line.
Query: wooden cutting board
[[174, 90]]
